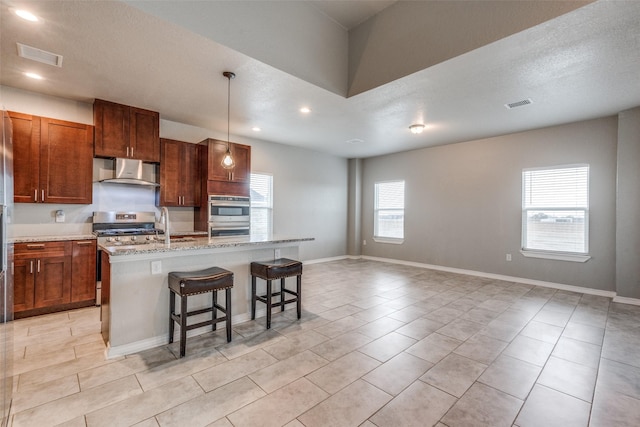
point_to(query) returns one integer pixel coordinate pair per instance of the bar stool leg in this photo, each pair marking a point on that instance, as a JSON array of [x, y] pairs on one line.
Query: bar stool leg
[[282, 294], [268, 304], [172, 310], [253, 297], [214, 311], [299, 295], [227, 309], [183, 325]]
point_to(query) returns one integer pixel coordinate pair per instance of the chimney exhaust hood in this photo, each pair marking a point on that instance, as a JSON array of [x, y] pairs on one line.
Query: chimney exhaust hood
[[130, 171]]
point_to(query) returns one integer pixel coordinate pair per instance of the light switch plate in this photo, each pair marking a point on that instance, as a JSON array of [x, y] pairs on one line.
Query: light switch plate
[[156, 267], [276, 253]]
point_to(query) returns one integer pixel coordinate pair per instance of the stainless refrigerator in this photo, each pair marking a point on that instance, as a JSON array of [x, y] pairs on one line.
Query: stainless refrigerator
[[6, 274]]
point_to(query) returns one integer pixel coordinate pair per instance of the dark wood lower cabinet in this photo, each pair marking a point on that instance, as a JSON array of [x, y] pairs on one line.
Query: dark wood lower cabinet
[[44, 281]]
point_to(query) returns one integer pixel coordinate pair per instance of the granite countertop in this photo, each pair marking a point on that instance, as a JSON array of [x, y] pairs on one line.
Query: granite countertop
[[29, 239], [195, 243]]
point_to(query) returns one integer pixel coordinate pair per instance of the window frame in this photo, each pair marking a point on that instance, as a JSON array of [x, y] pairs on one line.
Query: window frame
[[377, 209], [268, 209], [550, 253]]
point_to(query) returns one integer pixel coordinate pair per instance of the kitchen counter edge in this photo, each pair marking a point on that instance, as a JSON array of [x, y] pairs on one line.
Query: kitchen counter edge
[[30, 239]]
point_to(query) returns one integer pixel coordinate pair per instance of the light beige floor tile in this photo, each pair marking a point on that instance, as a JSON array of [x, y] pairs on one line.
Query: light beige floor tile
[[374, 313], [408, 314], [349, 407], [434, 347], [295, 343], [177, 369], [287, 371], [237, 348], [224, 373], [386, 347], [270, 411], [454, 374], [340, 326], [31, 397], [396, 374], [88, 348], [586, 333], [76, 422], [212, 406], [340, 312], [337, 347], [570, 378], [48, 347], [542, 331], [529, 349], [614, 409], [48, 328], [420, 328], [445, 314], [512, 376], [419, 405], [550, 408], [64, 369], [294, 423], [77, 404], [43, 360], [223, 422], [380, 327], [460, 329], [342, 372], [578, 352], [149, 422], [142, 406], [619, 377], [483, 406], [481, 348]]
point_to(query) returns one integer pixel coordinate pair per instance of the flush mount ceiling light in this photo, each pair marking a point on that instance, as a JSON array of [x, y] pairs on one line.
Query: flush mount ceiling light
[[417, 128], [227, 160], [256, 129], [39, 55], [305, 110], [26, 15]]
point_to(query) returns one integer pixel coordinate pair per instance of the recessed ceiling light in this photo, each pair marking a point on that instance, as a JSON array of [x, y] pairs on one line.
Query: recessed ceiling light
[[34, 76], [417, 128], [25, 14], [355, 141], [305, 110], [256, 129]]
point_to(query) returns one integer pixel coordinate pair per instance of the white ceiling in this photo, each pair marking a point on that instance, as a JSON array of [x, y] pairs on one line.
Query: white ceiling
[[580, 65]]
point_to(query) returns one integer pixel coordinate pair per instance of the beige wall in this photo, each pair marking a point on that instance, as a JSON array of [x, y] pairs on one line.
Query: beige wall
[[463, 202]]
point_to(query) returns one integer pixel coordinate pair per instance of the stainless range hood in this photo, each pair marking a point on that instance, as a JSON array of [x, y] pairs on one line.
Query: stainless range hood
[[131, 171]]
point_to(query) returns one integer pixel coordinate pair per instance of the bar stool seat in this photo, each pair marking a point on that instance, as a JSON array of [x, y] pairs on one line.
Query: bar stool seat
[[271, 270], [187, 283]]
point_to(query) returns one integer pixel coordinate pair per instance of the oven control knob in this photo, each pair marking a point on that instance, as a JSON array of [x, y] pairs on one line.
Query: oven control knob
[[150, 237], [110, 239], [117, 238], [134, 238]]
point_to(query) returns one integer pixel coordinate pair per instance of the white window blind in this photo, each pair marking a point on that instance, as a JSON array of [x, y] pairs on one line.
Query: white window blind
[[261, 204], [389, 210], [555, 209]]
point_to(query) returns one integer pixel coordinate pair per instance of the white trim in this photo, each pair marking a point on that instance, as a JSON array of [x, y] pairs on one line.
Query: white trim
[[562, 286], [392, 240], [555, 256], [321, 260], [625, 300]]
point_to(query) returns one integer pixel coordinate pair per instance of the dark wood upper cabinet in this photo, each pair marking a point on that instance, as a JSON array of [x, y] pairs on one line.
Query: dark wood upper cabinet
[[44, 149], [124, 131], [179, 174]]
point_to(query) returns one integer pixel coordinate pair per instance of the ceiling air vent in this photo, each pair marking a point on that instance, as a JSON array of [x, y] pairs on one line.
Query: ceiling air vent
[[518, 103], [39, 55]]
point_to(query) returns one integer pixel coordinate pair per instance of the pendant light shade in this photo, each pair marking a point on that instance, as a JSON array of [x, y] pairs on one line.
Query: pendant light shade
[[227, 160]]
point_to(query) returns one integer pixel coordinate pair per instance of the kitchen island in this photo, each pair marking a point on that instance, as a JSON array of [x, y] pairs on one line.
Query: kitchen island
[[135, 293]]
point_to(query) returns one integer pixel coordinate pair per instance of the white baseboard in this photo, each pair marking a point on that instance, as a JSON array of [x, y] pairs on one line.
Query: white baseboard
[[321, 260], [625, 300]]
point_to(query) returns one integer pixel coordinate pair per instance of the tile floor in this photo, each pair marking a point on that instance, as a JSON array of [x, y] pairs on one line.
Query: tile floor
[[379, 344]]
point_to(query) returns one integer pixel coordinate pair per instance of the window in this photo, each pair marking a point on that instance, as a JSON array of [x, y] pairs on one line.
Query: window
[[389, 212], [261, 204], [555, 211]]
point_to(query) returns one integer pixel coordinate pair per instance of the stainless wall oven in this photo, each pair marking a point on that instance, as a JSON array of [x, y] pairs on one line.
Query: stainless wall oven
[[229, 216]]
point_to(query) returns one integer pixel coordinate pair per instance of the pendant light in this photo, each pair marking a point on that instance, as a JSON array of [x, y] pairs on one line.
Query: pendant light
[[227, 160]]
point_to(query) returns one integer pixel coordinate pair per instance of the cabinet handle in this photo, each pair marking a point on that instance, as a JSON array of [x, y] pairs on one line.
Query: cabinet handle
[[12, 269], [31, 267], [38, 266], [35, 195], [35, 245], [127, 151], [42, 198], [131, 151], [86, 242]]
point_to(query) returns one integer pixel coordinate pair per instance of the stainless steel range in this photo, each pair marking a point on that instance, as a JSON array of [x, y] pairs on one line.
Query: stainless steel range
[[126, 228]]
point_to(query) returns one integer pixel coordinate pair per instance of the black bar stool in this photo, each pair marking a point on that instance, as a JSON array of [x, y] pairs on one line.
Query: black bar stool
[[277, 269], [187, 283]]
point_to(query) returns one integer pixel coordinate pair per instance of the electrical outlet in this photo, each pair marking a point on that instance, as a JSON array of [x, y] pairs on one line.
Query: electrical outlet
[[156, 267], [276, 253], [508, 257], [364, 243]]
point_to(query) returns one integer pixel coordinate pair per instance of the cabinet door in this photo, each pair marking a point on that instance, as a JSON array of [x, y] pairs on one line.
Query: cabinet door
[[111, 122], [83, 271], [53, 281], [23, 284], [170, 186], [190, 182], [26, 157], [144, 135], [216, 151], [242, 158], [66, 162]]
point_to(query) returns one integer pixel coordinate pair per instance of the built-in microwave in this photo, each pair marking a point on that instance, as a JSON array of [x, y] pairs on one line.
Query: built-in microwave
[[229, 215]]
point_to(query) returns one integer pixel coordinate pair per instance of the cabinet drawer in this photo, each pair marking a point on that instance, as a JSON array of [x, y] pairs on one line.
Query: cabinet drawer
[[41, 249]]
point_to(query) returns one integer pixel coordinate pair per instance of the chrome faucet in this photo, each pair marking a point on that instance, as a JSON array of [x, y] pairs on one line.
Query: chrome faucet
[[164, 219]]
